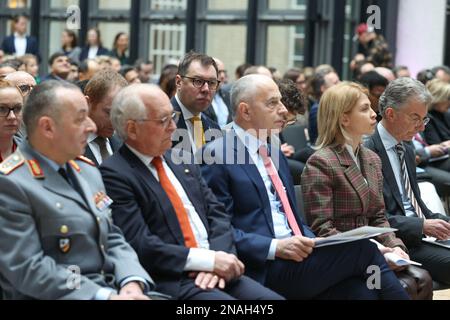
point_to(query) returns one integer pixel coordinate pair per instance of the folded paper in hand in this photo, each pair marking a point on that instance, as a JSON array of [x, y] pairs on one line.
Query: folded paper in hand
[[441, 243], [353, 235]]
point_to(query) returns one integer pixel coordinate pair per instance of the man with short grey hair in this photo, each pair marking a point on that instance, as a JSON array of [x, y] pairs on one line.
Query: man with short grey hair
[[404, 107], [180, 231], [58, 241]]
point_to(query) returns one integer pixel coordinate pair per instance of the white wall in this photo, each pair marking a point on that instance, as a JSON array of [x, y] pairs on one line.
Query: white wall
[[420, 34]]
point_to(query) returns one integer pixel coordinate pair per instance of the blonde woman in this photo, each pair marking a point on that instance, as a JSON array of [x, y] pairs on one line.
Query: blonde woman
[[342, 182], [438, 130]]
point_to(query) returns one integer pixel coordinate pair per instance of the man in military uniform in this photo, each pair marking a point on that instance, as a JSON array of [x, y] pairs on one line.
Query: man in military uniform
[[58, 241]]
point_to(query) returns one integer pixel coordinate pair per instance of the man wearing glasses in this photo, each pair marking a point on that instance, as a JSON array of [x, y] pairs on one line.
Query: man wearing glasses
[[197, 83], [404, 107], [167, 213]]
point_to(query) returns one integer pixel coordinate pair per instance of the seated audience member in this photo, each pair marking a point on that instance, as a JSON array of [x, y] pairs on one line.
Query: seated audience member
[[59, 67], [100, 92], [120, 48], [5, 69], [167, 80], [180, 231], [69, 45], [31, 66], [23, 80], [145, 70], [442, 73], [401, 71], [130, 74], [54, 211], [425, 75], [256, 188], [11, 103], [404, 107], [438, 130], [197, 83], [342, 181], [376, 84]]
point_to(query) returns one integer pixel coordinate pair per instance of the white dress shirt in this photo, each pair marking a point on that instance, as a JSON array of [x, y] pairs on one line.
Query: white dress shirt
[[187, 115], [201, 258], [279, 219], [389, 143], [92, 52], [20, 43], [221, 110], [95, 148]]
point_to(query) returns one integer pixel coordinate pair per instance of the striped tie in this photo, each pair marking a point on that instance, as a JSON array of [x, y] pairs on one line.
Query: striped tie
[[405, 179]]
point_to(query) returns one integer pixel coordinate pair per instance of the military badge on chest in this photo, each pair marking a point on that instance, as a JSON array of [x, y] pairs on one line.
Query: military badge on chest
[[102, 201], [64, 243]]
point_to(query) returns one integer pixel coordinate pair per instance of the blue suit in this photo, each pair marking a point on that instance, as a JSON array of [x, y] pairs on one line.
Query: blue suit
[[148, 220], [329, 272], [32, 46]]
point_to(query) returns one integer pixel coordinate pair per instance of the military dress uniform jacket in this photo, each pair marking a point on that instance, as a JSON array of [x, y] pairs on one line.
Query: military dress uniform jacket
[[49, 231]]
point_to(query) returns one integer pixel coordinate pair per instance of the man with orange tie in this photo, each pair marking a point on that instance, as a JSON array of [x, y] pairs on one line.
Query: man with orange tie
[[251, 178], [197, 83], [179, 230]]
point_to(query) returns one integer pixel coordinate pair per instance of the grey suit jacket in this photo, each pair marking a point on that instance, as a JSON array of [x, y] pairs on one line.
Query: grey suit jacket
[[48, 227]]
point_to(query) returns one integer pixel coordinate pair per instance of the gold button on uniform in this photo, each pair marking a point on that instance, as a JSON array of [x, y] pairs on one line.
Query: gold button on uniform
[[64, 229], [59, 205]]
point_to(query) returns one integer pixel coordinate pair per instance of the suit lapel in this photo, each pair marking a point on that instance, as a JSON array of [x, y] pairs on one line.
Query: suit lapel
[[144, 175], [388, 173], [354, 175], [89, 154]]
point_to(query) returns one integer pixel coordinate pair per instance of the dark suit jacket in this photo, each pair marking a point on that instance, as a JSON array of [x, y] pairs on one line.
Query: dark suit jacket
[[144, 212], [226, 99], [438, 130], [115, 143], [337, 197], [241, 189], [211, 128], [101, 52], [409, 228], [32, 46]]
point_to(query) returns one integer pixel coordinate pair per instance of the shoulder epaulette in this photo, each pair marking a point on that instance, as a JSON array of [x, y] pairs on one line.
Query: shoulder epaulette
[[86, 160], [11, 163]]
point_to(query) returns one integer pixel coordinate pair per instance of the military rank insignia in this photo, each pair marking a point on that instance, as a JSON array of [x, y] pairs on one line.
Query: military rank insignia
[[64, 245], [12, 163], [102, 201]]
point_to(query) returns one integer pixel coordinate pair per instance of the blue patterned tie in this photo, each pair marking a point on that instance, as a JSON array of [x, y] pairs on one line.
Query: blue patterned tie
[[405, 179]]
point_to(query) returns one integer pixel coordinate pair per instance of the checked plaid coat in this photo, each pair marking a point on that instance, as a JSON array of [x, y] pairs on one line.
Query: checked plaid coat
[[338, 196]]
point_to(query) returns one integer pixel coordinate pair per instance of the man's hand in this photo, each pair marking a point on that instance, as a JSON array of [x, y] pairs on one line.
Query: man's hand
[[296, 248], [227, 266], [437, 228], [287, 150], [130, 291], [208, 280], [436, 150]]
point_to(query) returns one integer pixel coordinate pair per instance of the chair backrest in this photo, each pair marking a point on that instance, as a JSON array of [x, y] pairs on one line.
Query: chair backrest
[[295, 136]]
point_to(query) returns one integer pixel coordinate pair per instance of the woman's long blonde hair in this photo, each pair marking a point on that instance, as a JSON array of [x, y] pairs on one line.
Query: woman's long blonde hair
[[335, 102], [440, 90]]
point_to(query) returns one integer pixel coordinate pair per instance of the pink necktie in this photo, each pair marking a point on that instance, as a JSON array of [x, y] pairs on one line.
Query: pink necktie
[[278, 185]]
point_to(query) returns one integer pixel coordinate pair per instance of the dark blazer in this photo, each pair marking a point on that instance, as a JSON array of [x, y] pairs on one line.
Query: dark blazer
[[409, 228], [338, 196], [241, 189], [226, 99], [438, 130], [210, 127], [144, 212], [115, 143], [32, 46], [101, 52]]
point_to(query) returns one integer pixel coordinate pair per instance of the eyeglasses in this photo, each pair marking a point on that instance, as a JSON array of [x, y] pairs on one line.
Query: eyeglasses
[[5, 111], [166, 121], [199, 83], [25, 89], [417, 121]]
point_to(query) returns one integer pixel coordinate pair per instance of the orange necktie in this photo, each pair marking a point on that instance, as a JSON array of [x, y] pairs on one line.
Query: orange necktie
[[177, 204]]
